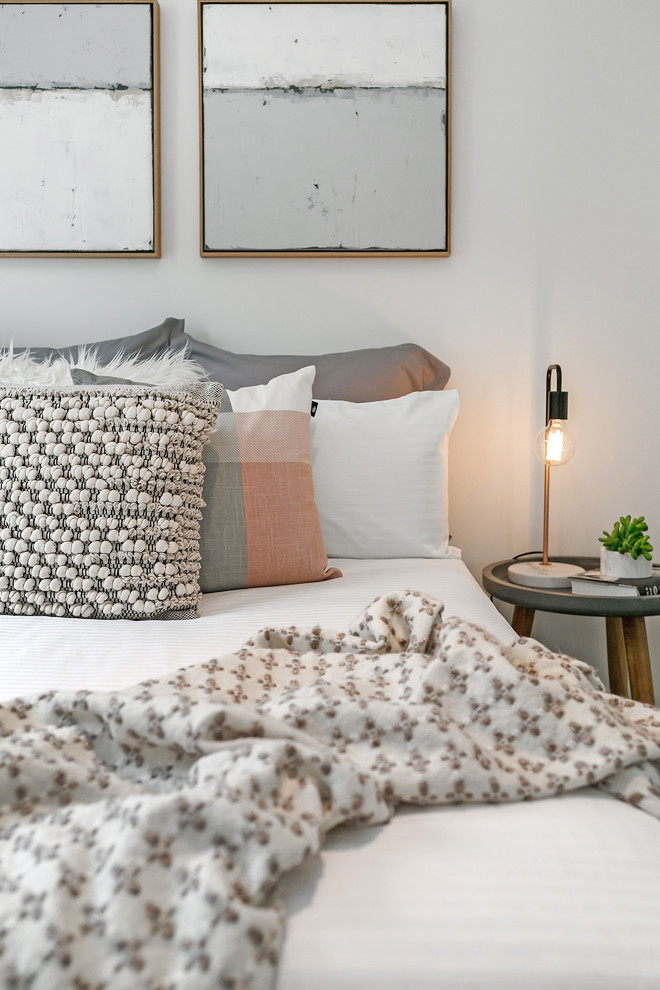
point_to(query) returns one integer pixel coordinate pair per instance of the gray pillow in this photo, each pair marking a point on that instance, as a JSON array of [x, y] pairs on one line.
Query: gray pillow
[[368, 375], [167, 335], [79, 376]]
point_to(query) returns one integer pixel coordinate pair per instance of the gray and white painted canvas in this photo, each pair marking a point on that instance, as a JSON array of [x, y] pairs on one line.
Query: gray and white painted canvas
[[77, 128], [324, 127]]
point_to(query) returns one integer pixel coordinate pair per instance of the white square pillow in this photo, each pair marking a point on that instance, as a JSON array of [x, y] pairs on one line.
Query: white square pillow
[[380, 475]]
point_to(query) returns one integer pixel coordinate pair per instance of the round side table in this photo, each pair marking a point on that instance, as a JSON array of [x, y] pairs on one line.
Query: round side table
[[627, 644]]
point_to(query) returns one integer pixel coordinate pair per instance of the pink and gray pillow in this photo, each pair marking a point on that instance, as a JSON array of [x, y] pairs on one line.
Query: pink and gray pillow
[[260, 525]]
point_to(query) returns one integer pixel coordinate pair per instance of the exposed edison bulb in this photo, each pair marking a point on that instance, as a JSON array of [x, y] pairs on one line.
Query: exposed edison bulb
[[553, 444]]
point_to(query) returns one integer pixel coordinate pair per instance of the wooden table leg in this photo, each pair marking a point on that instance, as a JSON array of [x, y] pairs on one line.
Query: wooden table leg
[[523, 620], [617, 657], [639, 663]]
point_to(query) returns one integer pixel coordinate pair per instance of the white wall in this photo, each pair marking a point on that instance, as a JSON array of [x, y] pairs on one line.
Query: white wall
[[555, 258]]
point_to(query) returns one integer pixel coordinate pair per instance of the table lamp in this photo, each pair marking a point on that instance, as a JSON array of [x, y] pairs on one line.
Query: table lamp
[[553, 446]]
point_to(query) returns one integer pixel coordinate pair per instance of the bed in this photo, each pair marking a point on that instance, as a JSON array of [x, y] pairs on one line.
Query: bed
[[561, 891]]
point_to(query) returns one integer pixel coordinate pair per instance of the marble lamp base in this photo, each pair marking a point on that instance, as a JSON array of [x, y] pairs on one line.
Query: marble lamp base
[[535, 574]]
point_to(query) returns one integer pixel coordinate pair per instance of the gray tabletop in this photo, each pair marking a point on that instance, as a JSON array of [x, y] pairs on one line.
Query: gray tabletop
[[497, 584]]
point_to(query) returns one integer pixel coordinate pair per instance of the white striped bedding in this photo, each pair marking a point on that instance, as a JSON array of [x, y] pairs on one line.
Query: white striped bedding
[[40, 652], [562, 893]]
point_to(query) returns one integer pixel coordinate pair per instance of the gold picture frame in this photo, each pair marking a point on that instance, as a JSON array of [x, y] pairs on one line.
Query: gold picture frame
[[325, 128], [80, 129]]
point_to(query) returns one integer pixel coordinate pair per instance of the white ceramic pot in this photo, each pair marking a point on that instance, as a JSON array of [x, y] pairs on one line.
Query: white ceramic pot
[[621, 565]]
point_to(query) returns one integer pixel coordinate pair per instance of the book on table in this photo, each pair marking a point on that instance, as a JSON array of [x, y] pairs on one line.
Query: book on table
[[595, 583]]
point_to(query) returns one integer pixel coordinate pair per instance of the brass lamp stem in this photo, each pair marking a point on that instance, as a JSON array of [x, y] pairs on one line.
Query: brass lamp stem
[[546, 507]]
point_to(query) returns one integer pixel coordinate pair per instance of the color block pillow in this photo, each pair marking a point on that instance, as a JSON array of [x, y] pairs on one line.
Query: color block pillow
[[260, 525], [100, 499], [380, 475]]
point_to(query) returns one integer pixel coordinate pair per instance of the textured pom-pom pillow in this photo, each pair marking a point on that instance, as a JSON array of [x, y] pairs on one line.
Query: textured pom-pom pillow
[[100, 499]]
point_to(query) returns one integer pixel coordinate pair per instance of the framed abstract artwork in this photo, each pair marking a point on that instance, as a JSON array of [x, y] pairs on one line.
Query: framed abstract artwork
[[325, 128], [79, 129]]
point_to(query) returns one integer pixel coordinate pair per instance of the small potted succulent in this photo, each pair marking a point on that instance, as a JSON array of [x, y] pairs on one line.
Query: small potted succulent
[[626, 551]]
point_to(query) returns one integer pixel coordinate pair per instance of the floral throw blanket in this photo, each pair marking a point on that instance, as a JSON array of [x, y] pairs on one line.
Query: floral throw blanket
[[142, 833]]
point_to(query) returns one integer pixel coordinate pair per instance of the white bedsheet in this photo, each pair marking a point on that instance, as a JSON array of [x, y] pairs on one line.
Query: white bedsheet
[[39, 653], [563, 893]]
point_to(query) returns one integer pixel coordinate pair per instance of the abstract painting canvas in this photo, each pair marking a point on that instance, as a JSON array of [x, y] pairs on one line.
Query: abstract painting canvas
[[325, 128], [79, 129]]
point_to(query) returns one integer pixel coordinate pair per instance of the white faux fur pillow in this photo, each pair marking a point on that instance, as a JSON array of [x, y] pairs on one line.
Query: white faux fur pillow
[[166, 370]]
